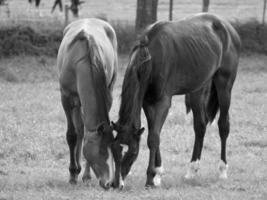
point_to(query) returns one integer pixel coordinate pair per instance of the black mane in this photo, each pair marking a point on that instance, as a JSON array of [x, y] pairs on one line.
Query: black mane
[[134, 84]]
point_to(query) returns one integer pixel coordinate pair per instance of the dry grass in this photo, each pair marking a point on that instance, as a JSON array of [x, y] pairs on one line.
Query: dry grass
[[34, 153]]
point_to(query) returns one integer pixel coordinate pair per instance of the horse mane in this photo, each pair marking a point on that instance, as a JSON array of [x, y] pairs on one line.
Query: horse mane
[[134, 84], [92, 56]]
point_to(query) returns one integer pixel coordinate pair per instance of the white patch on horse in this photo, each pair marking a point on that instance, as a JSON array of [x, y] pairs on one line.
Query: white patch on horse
[[159, 170], [111, 165], [157, 180], [121, 186], [115, 133], [223, 168], [192, 170], [125, 148]]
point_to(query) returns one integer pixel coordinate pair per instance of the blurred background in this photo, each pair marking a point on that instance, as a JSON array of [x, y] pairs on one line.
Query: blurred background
[[31, 18]]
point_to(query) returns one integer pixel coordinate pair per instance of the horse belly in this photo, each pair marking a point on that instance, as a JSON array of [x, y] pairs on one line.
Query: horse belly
[[192, 78]]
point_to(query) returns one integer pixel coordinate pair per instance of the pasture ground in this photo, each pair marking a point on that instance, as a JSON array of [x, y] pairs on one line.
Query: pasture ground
[[34, 154]]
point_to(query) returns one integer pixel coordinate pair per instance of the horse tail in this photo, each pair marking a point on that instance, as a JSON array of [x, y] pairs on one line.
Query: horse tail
[[227, 34], [212, 104], [219, 27], [92, 56], [210, 101], [187, 103], [235, 38], [82, 35]]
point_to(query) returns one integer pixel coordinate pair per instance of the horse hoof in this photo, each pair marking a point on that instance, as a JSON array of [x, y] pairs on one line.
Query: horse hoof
[[223, 168], [192, 170], [155, 184], [86, 179], [189, 176], [149, 186], [73, 181]]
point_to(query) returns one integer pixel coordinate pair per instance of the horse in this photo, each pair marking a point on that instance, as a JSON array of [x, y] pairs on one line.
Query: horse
[[197, 57], [87, 65], [74, 6]]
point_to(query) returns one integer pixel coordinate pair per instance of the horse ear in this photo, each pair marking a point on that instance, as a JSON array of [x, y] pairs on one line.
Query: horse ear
[[140, 131], [115, 126], [100, 129]]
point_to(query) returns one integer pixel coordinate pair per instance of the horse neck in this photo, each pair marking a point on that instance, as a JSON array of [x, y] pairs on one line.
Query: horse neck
[[131, 100]]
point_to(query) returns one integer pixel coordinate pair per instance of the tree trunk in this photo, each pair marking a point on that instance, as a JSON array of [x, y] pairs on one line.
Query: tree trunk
[[146, 13], [205, 5], [170, 10]]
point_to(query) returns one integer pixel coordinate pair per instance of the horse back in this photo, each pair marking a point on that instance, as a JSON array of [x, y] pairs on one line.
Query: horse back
[[187, 53]]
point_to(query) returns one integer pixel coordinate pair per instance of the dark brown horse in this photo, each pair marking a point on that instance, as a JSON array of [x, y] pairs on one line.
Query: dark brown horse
[[74, 6], [87, 63], [197, 56]]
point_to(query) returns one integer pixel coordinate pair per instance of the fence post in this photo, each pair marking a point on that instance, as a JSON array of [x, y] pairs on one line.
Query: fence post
[[263, 14], [66, 11], [170, 10]]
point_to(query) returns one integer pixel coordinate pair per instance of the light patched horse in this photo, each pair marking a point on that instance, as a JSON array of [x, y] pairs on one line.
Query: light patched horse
[[87, 63], [197, 56]]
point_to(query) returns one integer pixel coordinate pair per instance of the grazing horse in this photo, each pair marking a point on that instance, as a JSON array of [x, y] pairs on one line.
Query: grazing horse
[[197, 56], [87, 63]]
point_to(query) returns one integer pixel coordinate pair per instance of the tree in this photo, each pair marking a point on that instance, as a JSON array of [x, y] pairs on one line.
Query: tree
[[146, 13], [205, 5], [170, 10]]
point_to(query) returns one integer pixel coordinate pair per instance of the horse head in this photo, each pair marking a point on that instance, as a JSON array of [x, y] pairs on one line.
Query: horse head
[[97, 151], [125, 150]]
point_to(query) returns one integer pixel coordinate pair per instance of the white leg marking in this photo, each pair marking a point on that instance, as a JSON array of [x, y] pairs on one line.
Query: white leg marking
[[121, 186], [192, 170], [157, 179], [223, 168], [111, 165], [159, 170]]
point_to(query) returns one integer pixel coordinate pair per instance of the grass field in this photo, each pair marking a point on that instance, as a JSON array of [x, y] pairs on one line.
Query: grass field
[[34, 154]]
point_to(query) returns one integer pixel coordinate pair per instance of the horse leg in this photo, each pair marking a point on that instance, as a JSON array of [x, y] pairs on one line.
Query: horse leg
[[86, 175], [71, 137], [223, 87], [156, 114], [200, 123], [79, 130]]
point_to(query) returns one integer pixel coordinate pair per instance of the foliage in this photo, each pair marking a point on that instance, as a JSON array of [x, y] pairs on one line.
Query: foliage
[[253, 35], [28, 40]]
